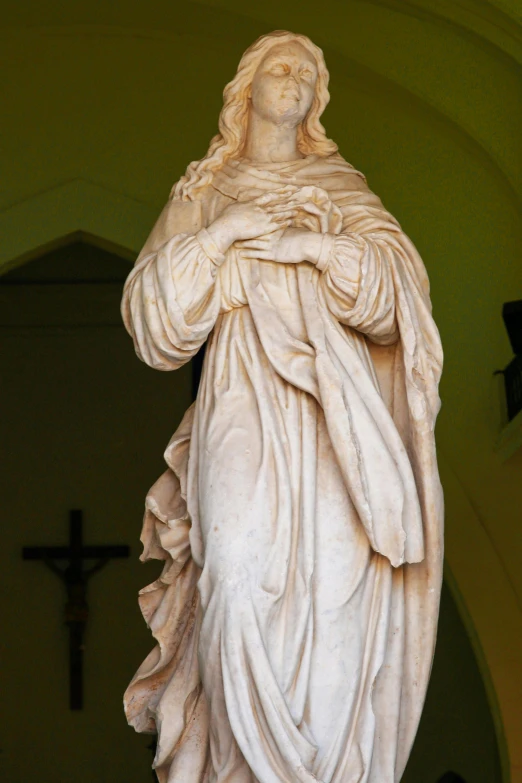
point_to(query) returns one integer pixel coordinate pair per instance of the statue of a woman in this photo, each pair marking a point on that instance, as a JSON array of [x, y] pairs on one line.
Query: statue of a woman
[[300, 518]]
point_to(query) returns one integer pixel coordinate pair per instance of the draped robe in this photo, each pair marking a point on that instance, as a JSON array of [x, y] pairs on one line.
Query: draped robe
[[300, 518]]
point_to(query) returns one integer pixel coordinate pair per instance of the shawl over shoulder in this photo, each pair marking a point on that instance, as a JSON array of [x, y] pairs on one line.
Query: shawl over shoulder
[[399, 411]]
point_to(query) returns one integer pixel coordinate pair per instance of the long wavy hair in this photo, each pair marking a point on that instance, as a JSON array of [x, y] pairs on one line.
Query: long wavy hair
[[233, 119]]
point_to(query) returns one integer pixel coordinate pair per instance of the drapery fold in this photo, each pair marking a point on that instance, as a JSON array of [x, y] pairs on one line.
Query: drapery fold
[[311, 377]]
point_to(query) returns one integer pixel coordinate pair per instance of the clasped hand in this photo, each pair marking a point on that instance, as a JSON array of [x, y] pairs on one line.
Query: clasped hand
[[287, 246], [260, 229]]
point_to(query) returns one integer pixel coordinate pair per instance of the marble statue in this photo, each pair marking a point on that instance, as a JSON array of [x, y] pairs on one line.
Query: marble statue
[[300, 518]]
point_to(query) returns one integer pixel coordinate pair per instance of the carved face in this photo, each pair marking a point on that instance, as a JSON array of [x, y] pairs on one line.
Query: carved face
[[284, 84]]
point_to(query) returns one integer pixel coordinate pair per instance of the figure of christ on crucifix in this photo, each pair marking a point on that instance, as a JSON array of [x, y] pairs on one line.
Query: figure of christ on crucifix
[[67, 562]]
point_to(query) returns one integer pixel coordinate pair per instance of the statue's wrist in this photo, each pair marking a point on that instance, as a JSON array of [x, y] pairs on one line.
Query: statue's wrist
[[325, 251], [210, 246], [220, 236], [312, 243]]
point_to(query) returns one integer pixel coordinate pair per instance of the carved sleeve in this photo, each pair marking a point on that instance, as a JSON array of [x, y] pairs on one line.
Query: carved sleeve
[[358, 284], [171, 300]]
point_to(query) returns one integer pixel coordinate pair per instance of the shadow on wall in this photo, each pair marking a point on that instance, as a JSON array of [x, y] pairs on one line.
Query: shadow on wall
[[451, 777]]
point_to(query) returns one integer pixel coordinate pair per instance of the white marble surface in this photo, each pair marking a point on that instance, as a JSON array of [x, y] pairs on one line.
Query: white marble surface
[[300, 518]]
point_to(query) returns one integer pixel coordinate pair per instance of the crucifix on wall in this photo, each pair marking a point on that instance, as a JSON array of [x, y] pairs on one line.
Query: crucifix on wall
[[67, 562]]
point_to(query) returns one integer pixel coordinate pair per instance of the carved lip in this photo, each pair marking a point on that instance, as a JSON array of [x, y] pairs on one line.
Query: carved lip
[[291, 94]]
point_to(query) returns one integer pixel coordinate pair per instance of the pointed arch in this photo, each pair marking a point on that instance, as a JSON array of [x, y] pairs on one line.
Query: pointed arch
[[74, 210]]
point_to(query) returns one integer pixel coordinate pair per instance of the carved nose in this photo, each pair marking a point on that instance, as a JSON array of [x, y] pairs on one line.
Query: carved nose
[[293, 84]]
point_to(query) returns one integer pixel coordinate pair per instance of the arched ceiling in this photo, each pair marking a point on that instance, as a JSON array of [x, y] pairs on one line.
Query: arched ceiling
[[462, 59]]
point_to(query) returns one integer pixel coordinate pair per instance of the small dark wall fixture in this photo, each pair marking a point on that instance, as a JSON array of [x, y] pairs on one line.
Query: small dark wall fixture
[[512, 315]]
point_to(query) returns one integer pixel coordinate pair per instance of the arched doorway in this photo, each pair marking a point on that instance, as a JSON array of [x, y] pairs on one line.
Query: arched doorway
[[85, 425]]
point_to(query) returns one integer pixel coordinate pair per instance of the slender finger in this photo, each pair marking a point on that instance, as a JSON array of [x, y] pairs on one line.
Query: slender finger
[[274, 209], [278, 193], [309, 206], [272, 198], [286, 189], [267, 236], [286, 199], [283, 215], [261, 255], [286, 204], [264, 199], [275, 202], [249, 254], [276, 212], [253, 244], [277, 224], [283, 211]]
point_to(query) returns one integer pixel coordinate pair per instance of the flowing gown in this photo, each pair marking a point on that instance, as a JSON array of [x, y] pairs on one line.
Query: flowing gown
[[300, 518]]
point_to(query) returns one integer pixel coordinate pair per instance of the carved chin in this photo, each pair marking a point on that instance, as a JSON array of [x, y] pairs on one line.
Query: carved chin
[[289, 110]]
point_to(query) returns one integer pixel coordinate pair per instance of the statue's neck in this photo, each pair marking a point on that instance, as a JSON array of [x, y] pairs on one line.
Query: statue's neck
[[270, 143]]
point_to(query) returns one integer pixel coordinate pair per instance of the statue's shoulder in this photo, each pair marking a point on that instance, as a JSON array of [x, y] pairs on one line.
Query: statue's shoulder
[[340, 175], [179, 217], [176, 217]]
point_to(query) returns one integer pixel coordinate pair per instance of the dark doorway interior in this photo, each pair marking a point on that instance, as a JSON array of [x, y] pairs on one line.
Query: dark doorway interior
[[85, 426]]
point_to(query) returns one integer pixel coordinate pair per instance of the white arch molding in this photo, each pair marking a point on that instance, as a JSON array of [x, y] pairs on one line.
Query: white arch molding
[[77, 208]]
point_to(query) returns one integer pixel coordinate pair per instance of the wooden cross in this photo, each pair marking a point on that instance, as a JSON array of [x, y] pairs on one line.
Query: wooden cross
[[75, 578]]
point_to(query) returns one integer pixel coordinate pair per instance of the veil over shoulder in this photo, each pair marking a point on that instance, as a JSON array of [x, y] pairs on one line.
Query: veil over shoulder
[[300, 517]]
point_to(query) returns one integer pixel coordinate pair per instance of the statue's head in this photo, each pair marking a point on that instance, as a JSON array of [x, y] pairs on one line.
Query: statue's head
[[283, 88], [282, 77], [275, 71]]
